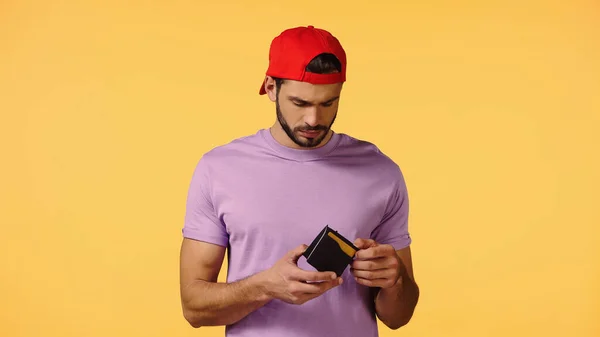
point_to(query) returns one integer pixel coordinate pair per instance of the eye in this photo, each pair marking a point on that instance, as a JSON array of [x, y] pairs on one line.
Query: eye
[[327, 104], [300, 104]]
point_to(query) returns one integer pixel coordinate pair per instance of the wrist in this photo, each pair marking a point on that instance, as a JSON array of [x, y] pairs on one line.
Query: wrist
[[395, 290], [403, 276], [260, 282]]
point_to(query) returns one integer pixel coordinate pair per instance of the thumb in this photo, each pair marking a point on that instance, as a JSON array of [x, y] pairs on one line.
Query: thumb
[[364, 243], [294, 254]]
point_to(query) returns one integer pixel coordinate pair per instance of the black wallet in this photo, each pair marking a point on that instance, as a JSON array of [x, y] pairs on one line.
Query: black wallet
[[330, 251]]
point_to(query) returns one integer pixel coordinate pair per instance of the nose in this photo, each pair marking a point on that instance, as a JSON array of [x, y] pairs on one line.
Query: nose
[[311, 116]]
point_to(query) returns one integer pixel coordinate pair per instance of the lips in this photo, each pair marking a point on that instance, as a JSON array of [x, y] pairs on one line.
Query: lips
[[310, 134]]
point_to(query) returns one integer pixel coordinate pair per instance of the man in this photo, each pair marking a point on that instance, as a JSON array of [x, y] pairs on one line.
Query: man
[[262, 198]]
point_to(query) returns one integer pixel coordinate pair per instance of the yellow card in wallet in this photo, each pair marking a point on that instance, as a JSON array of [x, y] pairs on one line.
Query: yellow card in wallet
[[330, 251]]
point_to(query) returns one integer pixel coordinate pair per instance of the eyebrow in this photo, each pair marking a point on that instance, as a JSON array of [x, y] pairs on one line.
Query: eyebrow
[[294, 98]]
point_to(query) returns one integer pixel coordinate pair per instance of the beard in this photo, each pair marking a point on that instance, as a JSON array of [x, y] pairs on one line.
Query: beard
[[308, 142]]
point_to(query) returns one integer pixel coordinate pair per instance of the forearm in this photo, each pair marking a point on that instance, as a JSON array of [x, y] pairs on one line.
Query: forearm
[[395, 306], [210, 303]]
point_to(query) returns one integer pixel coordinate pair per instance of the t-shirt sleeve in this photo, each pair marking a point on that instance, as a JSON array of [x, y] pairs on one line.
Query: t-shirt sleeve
[[201, 220], [393, 228]]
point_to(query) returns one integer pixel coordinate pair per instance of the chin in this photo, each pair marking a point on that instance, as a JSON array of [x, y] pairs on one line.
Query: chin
[[312, 143]]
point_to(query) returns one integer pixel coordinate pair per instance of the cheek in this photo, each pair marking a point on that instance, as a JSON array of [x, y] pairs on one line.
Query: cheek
[[329, 112], [291, 113]]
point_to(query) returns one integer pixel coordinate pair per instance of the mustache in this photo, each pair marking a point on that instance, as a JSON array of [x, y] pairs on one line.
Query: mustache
[[313, 128]]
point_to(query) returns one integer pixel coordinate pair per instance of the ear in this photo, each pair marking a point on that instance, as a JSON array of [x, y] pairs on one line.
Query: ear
[[270, 88]]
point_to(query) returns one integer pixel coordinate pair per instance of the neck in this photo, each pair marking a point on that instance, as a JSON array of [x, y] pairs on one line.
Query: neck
[[282, 138]]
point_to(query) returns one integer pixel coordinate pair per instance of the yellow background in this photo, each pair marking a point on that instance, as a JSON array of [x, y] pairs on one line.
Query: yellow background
[[492, 109]]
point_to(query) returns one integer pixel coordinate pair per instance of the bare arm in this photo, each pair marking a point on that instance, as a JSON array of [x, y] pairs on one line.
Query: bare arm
[[206, 302], [395, 305], [390, 273]]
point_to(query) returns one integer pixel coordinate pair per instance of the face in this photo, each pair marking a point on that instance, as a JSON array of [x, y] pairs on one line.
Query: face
[[306, 112]]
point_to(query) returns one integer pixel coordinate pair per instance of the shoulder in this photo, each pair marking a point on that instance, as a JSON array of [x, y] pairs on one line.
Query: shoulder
[[231, 153], [224, 158], [367, 154]]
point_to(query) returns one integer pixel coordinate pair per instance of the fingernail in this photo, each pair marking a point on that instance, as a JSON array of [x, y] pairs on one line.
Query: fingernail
[[333, 276]]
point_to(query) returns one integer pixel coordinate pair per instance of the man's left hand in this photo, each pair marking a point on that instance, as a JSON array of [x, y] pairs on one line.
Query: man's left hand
[[376, 265]]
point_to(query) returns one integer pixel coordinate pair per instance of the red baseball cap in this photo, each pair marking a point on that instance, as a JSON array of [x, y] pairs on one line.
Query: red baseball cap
[[293, 49]]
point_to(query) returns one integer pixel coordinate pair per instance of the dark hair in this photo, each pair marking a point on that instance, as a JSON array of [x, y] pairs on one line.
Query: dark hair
[[322, 64]]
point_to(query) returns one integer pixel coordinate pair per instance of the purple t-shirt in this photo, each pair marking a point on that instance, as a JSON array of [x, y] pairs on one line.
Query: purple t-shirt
[[263, 199]]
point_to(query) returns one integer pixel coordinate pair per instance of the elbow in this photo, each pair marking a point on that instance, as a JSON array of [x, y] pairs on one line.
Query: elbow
[[398, 325], [193, 319], [395, 325], [195, 324], [399, 321], [197, 318], [402, 314]]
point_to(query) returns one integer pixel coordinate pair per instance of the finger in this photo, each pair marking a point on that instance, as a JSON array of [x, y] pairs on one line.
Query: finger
[[316, 288], [372, 264], [380, 282], [375, 252], [364, 243], [294, 254], [312, 276], [373, 274], [324, 286]]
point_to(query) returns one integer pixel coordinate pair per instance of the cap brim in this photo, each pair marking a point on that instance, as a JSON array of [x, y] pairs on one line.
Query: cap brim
[[262, 90]]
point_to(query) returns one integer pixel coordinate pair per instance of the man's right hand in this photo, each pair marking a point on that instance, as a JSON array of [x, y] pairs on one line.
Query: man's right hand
[[289, 283]]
